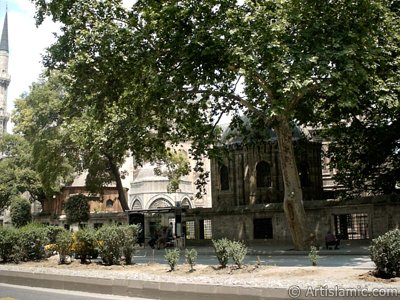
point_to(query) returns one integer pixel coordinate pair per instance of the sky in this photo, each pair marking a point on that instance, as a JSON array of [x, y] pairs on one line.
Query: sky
[[26, 45]]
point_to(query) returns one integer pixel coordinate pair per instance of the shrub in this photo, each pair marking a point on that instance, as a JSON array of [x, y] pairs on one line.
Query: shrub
[[77, 209], [385, 253], [129, 234], [63, 245], [313, 255], [53, 232], [8, 241], [31, 240], [20, 211], [85, 244], [237, 251], [191, 256], [172, 257], [222, 250], [109, 242]]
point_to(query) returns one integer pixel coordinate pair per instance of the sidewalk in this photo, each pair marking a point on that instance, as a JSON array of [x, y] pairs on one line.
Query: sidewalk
[[283, 249]]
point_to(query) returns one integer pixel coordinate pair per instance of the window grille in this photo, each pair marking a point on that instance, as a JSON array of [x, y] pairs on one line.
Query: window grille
[[190, 233], [352, 226]]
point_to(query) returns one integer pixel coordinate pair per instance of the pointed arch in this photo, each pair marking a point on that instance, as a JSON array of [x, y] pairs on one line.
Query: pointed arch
[[186, 203], [160, 203], [136, 205]]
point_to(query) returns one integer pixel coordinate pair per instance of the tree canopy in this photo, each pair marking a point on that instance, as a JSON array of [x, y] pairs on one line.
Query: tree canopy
[[18, 175], [172, 68]]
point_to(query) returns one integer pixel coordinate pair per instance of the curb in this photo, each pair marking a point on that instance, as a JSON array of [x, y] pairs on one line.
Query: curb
[[167, 291]]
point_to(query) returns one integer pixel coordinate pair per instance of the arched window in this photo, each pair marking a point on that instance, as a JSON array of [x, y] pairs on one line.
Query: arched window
[[160, 203], [224, 178], [186, 203], [263, 171], [109, 203]]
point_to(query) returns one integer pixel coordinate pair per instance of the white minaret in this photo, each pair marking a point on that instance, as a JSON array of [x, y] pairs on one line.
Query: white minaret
[[4, 77]]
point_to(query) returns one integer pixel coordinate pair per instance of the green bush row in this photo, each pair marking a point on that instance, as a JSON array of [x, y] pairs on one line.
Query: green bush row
[[31, 242], [24, 243]]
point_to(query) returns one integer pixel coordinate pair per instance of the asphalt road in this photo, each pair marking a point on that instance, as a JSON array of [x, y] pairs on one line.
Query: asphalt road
[[17, 292]]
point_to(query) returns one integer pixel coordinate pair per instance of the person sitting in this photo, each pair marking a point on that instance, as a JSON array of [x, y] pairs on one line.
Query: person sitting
[[331, 240]]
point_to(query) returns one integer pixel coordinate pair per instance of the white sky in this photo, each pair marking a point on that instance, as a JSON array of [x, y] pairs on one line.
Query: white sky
[[26, 45]]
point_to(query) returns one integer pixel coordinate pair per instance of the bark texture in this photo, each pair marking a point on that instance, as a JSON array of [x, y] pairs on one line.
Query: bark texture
[[121, 192], [293, 196]]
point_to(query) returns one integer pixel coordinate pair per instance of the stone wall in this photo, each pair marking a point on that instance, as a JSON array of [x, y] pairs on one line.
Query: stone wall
[[382, 214]]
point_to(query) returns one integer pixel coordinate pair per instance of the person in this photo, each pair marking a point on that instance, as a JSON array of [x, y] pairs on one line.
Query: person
[[153, 240], [170, 235], [331, 240], [162, 240]]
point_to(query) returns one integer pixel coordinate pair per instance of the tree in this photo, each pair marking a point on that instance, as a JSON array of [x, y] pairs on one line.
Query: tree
[[180, 63], [64, 145], [18, 175], [77, 209], [39, 119], [20, 211]]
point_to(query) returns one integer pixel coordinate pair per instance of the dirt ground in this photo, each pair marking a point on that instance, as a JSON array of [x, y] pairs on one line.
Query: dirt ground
[[255, 272]]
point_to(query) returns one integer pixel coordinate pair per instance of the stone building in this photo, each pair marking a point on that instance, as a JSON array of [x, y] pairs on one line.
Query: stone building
[[104, 208]]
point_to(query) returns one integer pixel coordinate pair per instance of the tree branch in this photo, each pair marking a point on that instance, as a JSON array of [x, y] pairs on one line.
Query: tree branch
[[231, 96]]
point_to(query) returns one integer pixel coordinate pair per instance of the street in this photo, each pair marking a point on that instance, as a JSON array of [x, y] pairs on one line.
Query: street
[[18, 292]]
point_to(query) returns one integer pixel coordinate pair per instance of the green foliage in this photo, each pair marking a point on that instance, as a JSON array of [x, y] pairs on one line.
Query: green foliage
[[313, 255], [85, 244], [63, 243], [18, 175], [31, 241], [176, 164], [385, 253], [77, 209], [225, 249], [222, 250], [172, 257], [191, 257], [180, 65], [8, 242], [38, 117], [110, 241], [20, 211], [237, 252], [53, 232], [129, 235]]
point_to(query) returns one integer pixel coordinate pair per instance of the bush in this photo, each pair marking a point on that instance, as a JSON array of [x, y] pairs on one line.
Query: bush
[[85, 244], [237, 251], [313, 255], [129, 235], [31, 240], [8, 242], [63, 245], [191, 256], [172, 257], [222, 250], [385, 253], [77, 209], [20, 211], [110, 243], [225, 249], [53, 232]]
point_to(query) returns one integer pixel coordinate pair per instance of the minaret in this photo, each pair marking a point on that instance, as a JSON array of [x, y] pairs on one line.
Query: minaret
[[4, 77]]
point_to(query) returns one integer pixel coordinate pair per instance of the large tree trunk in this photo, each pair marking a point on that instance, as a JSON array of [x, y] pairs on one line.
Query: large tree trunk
[[293, 197], [117, 176]]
